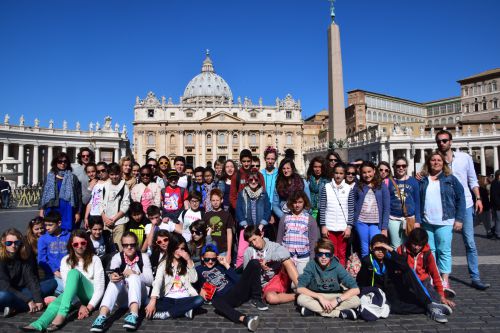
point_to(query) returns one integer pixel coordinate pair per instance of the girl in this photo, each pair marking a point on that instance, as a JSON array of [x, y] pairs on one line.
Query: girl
[[288, 181], [159, 248], [146, 192], [92, 211], [200, 236], [91, 171], [83, 277], [164, 167], [20, 290], [351, 173], [33, 232], [405, 202], [126, 171], [384, 170], [175, 276], [336, 212], [372, 205], [252, 208], [62, 192], [136, 170], [316, 179], [208, 184], [225, 182], [298, 231], [442, 211]]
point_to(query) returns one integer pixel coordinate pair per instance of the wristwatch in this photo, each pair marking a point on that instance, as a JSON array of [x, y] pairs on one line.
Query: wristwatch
[[339, 300]]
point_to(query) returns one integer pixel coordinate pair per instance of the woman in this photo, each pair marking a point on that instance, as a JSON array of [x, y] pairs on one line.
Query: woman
[[174, 277], [146, 192], [384, 169], [200, 236], [252, 208], [136, 171], [332, 158], [164, 166], [91, 172], [405, 203], [20, 290], [159, 248], [83, 277], [62, 192], [288, 181], [316, 180], [126, 170], [442, 211], [225, 182], [351, 173]]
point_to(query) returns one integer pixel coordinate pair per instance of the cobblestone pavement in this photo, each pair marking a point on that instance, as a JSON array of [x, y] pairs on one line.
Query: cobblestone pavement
[[475, 311]]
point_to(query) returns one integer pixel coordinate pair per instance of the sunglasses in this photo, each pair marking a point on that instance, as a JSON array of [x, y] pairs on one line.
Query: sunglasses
[[101, 171], [80, 244], [253, 180], [256, 166], [209, 259], [383, 170], [379, 249], [332, 159], [400, 166], [152, 165], [145, 175], [62, 161], [197, 232], [131, 245], [442, 141], [163, 163], [323, 254], [160, 241], [350, 173], [10, 243], [85, 156]]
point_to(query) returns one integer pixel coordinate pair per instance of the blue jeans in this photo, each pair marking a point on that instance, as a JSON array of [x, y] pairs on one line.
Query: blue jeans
[[366, 231], [470, 244], [5, 199], [8, 298], [177, 307], [440, 237]]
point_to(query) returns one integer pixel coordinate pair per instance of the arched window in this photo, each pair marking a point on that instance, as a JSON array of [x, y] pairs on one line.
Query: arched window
[[189, 139], [209, 139], [385, 117], [172, 140], [494, 85], [450, 120], [253, 139], [368, 115], [221, 139], [235, 139], [151, 139], [289, 138]]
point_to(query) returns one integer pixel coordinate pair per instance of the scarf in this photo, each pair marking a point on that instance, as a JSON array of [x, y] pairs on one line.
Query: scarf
[[314, 189], [296, 185], [253, 194], [131, 263], [50, 188]]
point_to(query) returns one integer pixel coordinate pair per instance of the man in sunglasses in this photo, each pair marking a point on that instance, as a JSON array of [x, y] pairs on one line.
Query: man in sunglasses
[[462, 167], [84, 157], [319, 286], [221, 284]]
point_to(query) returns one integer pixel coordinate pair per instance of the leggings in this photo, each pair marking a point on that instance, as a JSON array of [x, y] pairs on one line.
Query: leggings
[[76, 285]]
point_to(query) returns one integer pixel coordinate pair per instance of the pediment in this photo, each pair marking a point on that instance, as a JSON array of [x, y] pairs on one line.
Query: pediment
[[222, 117]]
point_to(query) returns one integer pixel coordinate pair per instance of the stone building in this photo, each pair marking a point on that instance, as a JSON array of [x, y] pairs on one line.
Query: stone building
[[27, 150], [207, 123]]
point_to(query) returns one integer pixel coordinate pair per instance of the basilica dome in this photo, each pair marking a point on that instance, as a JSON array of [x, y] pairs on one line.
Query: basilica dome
[[207, 84]]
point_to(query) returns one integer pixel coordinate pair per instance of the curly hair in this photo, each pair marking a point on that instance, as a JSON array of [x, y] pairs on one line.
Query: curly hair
[[310, 169], [376, 181]]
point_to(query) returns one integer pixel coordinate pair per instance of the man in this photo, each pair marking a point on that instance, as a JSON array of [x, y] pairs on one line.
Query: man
[[463, 168], [239, 178], [180, 167], [84, 157], [5, 192]]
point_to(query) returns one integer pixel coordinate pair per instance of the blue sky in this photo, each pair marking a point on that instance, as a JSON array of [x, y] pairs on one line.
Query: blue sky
[[83, 60]]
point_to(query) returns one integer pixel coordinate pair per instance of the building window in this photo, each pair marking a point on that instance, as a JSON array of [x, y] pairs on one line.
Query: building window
[[209, 139], [268, 115], [253, 115], [253, 139], [189, 139], [494, 85], [235, 114], [172, 140], [235, 139], [289, 115], [151, 113], [189, 114], [289, 139], [151, 139], [495, 104], [485, 107], [476, 107], [221, 139], [209, 114], [172, 114]]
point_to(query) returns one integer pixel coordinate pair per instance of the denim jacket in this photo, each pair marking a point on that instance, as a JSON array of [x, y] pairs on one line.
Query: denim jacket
[[452, 197], [244, 210], [383, 203]]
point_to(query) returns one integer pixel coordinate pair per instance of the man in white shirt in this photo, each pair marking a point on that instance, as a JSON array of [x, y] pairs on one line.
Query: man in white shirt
[[462, 167]]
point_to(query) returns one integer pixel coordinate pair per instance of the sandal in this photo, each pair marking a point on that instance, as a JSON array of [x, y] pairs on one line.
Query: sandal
[[54, 327]]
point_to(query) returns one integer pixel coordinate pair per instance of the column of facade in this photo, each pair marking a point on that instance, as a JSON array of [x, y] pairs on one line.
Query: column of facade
[[97, 153], [411, 162], [495, 158], [196, 148], [391, 156], [181, 143], [203, 148], [246, 140], [5, 155], [116, 155], [36, 162], [383, 153], [20, 168], [483, 161], [422, 155], [241, 135], [262, 148], [50, 154], [214, 147], [230, 145]]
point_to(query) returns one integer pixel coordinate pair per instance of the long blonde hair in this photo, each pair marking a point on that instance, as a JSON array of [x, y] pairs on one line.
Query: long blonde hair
[[427, 166], [23, 250]]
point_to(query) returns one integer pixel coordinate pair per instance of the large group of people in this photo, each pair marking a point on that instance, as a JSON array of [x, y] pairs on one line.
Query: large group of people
[[170, 238]]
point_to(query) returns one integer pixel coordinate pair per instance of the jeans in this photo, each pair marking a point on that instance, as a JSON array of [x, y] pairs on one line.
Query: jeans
[[5, 199], [366, 231], [177, 307], [496, 218], [470, 244], [440, 237], [8, 298]]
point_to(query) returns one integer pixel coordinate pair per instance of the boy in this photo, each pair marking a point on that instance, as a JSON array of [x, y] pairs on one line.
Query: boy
[[194, 213], [387, 270], [184, 177], [174, 197], [418, 255], [157, 223], [101, 240], [198, 181], [137, 222], [222, 224], [276, 267], [208, 185], [189, 171], [231, 290], [239, 178], [52, 247], [115, 203]]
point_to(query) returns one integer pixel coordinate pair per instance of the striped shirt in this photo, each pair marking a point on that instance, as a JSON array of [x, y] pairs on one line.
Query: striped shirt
[[369, 210], [296, 237]]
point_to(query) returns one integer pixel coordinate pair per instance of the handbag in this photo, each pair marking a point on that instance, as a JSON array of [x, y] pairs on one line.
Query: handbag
[[353, 264], [409, 221]]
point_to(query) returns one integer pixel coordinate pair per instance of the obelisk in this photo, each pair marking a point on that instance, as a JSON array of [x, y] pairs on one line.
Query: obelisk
[[336, 107]]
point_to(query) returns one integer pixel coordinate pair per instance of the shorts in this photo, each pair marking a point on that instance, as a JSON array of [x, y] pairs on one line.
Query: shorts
[[279, 283]]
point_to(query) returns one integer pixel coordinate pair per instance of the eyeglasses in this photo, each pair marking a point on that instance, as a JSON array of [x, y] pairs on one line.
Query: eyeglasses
[[101, 171], [16, 243], [62, 161], [250, 180], [256, 166], [79, 244], [350, 173], [209, 259], [332, 159], [145, 175], [160, 241], [383, 170], [442, 141], [400, 166], [131, 245], [324, 254], [197, 232]]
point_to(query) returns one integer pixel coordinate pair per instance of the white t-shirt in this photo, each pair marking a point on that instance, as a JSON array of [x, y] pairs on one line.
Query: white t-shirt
[[187, 219], [433, 210], [169, 226], [96, 199]]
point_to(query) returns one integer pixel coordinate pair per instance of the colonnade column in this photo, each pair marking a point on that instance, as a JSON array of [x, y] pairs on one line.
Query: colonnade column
[[383, 153], [181, 143], [203, 147], [97, 153], [49, 156], [116, 156], [483, 162], [5, 155], [64, 149], [35, 164], [214, 147], [391, 156], [411, 162], [495, 159], [20, 168]]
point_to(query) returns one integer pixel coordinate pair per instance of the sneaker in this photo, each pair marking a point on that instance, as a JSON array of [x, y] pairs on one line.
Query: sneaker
[[189, 314], [305, 312], [348, 314], [7, 312], [437, 315], [130, 322], [161, 315], [479, 285], [445, 309], [251, 322], [448, 292], [99, 324], [259, 304]]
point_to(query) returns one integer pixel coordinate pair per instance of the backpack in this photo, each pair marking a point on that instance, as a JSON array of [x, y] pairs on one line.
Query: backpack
[[140, 263], [373, 304]]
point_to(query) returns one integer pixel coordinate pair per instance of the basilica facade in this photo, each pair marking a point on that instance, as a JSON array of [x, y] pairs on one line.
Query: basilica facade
[[207, 123]]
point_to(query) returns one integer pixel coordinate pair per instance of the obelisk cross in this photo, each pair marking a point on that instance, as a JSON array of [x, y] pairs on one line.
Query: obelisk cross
[[332, 10]]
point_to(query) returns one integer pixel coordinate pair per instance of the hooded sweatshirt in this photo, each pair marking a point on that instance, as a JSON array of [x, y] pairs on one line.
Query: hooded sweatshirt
[[328, 280]]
